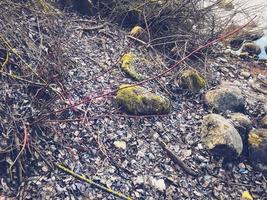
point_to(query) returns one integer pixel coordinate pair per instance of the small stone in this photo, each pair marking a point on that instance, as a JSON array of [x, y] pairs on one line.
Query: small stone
[[138, 180], [241, 165], [120, 144], [224, 70], [137, 194], [44, 168], [199, 194], [158, 184], [76, 133], [223, 60], [185, 153], [245, 74], [227, 51]]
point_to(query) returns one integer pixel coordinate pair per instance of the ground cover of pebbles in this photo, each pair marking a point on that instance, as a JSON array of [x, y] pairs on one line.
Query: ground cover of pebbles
[[121, 151]]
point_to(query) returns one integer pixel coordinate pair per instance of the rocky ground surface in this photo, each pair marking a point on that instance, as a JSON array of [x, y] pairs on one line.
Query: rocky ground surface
[[121, 151]]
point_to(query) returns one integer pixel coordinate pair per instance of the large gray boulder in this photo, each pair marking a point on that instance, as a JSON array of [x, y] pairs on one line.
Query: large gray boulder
[[225, 97], [220, 136], [258, 149]]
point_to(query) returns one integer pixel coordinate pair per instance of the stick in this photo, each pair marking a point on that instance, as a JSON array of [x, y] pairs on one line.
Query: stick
[[176, 160], [25, 141], [83, 178]]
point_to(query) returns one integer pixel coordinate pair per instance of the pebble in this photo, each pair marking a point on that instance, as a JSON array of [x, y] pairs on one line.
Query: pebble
[[245, 74], [120, 144], [223, 60], [224, 70], [159, 184]]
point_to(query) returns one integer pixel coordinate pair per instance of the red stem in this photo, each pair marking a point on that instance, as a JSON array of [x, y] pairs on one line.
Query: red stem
[[165, 72]]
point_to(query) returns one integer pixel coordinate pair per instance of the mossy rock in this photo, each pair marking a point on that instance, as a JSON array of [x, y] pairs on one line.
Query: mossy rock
[[192, 80], [139, 101], [127, 65], [258, 149]]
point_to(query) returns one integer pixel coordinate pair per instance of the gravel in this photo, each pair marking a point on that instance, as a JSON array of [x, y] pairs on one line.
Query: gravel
[[139, 167]]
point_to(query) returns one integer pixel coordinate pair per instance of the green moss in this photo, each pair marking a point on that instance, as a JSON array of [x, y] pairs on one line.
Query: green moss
[[127, 66], [138, 100], [192, 80], [128, 97]]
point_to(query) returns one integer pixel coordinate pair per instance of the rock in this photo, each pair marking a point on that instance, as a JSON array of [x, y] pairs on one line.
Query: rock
[[226, 4], [226, 97], [84, 7], [251, 48], [236, 44], [127, 65], [120, 144], [139, 101], [140, 33], [220, 136], [245, 74], [258, 149], [136, 31], [243, 125], [252, 35], [263, 122], [158, 184], [241, 122], [192, 80]]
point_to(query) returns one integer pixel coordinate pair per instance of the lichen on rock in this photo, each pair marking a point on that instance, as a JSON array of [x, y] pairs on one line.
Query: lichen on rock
[[127, 65], [225, 97], [258, 149], [139, 101], [192, 80], [220, 136]]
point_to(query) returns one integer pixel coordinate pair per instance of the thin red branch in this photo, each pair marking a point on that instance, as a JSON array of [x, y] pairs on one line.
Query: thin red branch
[[164, 73]]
